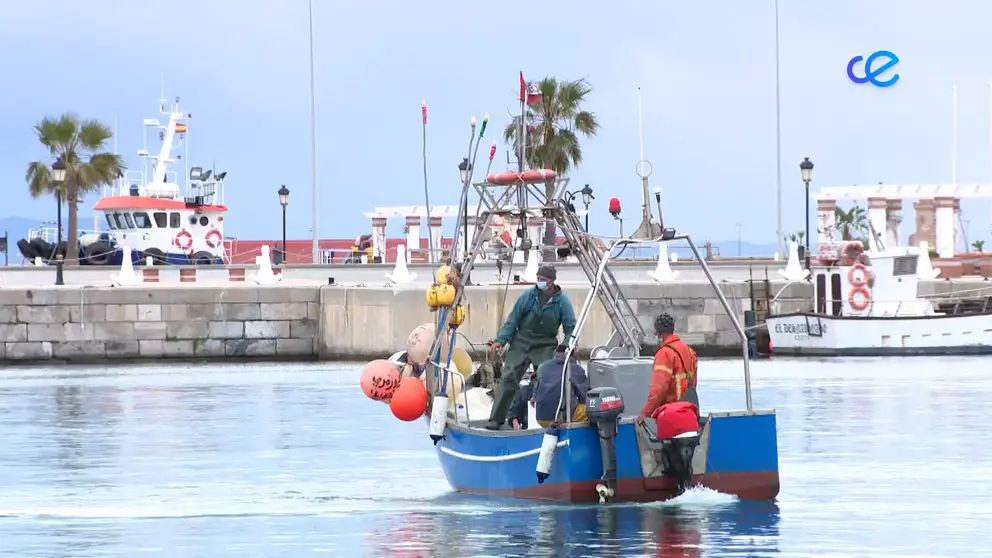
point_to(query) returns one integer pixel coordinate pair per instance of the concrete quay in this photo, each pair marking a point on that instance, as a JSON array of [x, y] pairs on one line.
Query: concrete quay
[[331, 322], [375, 274]]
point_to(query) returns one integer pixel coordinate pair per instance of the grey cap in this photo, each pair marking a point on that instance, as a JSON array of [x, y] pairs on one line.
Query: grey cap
[[547, 271]]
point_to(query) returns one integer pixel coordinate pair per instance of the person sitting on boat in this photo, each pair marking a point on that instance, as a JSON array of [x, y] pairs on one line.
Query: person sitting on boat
[[531, 330], [673, 376], [518, 411], [547, 389]]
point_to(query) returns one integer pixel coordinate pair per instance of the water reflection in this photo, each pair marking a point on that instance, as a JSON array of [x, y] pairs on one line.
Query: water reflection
[[262, 460], [689, 530]]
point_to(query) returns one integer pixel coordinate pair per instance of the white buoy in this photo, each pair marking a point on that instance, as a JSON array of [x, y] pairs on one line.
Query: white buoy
[[547, 455], [439, 417], [365, 258], [519, 256], [674, 257], [149, 261], [532, 423], [663, 273], [126, 275], [265, 275], [530, 272], [924, 269], [793, 271], [38, 261], [401, 274]]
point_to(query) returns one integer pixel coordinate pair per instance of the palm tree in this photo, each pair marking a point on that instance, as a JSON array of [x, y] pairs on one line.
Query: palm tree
[[553, 125], [77, 144], [851, 223]]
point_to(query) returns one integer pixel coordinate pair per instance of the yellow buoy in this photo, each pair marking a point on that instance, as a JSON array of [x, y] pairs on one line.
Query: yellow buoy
[[440, 295], [444, 276], [457, 316], [461, 361]]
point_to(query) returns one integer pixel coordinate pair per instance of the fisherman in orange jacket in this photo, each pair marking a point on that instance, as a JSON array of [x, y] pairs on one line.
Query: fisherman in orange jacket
[[673, 377]]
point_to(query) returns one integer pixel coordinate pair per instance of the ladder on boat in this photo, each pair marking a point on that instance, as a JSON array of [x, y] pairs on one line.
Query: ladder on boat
[[627, 330]]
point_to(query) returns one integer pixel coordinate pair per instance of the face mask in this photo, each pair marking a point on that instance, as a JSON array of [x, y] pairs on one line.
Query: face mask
[[542, 285]]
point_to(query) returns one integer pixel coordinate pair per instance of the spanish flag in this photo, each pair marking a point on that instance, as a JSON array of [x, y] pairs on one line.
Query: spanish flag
[[181, 128]]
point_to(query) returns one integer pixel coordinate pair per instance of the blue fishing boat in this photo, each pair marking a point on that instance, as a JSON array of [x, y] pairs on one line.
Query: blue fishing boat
[[609, 457]]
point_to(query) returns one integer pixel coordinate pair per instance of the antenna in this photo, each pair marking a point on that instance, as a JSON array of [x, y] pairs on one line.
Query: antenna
[[647, 228], [640, 123], [954, 135]]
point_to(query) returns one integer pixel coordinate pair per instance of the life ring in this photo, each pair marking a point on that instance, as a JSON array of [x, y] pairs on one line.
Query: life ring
[[858, 280], [183, 240], [853, 300], [214, 238], [532, 176]]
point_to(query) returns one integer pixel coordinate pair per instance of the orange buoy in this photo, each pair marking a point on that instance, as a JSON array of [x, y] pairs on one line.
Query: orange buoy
[[380, 378], [409, 400]]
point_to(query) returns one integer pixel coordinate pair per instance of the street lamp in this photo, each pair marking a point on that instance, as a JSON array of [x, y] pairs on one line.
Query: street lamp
[[58, 176], [806, 168], [465, 172], [587, 198], [283, 201]]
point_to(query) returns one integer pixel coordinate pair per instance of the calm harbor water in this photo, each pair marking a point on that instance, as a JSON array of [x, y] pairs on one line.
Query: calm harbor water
[[878, 458]]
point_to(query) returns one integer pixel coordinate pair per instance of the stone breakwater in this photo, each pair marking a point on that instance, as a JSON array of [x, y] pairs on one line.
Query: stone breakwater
[[328, 322], [104, 323]]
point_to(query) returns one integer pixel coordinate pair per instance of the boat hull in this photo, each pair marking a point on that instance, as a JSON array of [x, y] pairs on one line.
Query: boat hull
[[807, 334], [738, 454]]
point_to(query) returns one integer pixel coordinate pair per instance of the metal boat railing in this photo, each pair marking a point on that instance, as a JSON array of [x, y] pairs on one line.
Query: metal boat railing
[[597, 282]]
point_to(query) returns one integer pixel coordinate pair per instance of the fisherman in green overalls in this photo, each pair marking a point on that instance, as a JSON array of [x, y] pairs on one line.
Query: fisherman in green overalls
[[531, 329]]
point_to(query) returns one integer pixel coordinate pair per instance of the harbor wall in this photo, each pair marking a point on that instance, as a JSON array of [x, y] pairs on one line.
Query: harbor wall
[[331, 322], [152, 322], [360, 323]]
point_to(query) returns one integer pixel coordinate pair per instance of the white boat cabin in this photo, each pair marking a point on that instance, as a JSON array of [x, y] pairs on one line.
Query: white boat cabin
[[882, 283]]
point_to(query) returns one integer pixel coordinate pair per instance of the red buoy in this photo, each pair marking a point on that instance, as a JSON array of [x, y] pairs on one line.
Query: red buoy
[[409, 400], [380, 378]]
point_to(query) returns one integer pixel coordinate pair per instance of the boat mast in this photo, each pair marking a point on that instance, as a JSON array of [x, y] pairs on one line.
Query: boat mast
[[313, 146]]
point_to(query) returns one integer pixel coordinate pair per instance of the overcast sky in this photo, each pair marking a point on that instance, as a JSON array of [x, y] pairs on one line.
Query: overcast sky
[[707, 70]]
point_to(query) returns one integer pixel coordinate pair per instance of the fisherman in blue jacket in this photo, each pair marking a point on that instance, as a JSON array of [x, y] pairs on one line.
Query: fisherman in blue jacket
[[531, 330], [547, 389]]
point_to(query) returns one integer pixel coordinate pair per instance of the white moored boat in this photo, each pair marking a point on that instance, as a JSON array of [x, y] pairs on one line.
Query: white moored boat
[[149, 212], [870, 307]]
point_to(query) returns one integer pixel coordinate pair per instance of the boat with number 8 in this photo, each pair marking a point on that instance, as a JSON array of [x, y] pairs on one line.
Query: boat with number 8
[[866, 304]]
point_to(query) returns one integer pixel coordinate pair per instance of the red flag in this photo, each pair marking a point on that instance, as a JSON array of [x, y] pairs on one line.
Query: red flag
[[523, 88], [423, 110]]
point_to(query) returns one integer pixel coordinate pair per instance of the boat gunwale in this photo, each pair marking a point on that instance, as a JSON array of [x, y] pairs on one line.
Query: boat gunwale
[[509, 433], [881, 318]]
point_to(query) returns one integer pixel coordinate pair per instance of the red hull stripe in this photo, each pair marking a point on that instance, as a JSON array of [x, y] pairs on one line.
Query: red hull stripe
[[141, 202], [747, 486]]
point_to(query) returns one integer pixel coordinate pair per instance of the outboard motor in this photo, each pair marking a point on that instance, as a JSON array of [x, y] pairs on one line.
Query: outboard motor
[[678, 432], [604, 405]]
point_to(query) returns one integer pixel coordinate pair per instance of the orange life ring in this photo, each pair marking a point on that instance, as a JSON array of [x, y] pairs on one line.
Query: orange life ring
[[183, 240], [214, 238], [853, 301], [857, 281]]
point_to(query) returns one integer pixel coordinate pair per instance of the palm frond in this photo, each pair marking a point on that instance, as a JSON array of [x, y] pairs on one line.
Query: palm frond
[[39, 180]]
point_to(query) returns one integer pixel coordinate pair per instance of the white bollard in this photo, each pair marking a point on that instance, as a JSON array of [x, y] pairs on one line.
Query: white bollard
[[793, 270], [126, 275], [663, 272], [265, 275], [401, 274]]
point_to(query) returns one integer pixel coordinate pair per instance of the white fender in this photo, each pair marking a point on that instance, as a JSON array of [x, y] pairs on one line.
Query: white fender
[[439, 417], [547, 455]]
